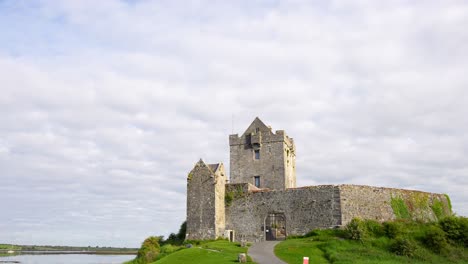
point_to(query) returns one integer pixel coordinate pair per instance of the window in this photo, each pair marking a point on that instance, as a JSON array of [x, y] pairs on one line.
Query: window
[[257, 181], [257, 154]]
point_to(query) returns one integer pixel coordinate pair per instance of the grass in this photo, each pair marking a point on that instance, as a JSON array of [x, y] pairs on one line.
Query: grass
[[332, 246], [210, 252]]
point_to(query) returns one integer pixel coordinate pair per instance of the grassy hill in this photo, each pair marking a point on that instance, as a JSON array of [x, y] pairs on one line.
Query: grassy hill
[[201, 252], [215, 252], [372, 242]]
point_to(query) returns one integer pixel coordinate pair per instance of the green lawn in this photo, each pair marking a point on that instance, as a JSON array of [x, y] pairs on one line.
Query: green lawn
[[326, 248], [218, 252]]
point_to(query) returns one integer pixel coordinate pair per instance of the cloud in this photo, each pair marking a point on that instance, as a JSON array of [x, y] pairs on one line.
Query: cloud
[[106, 106]]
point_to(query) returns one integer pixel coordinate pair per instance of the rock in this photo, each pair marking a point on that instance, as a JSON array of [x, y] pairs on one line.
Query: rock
[[242, 258], [188, 245]]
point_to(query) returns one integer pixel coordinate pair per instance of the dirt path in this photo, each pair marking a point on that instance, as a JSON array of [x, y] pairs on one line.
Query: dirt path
[[262, 253]]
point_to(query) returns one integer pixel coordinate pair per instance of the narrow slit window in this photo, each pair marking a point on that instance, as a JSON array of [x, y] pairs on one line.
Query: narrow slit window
[[257, 181], [257, 154]]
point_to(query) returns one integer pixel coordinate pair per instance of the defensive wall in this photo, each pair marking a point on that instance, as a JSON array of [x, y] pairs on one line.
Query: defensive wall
[[324, 206]]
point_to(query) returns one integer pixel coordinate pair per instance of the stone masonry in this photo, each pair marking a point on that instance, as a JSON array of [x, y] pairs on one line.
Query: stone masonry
[[261, 201], [261, 153]]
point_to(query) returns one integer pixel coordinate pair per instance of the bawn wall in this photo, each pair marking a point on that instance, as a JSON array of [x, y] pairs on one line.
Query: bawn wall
[[368, 202], [305, 209]]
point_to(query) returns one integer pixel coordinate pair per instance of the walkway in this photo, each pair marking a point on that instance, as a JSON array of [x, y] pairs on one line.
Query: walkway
[[262, 253]]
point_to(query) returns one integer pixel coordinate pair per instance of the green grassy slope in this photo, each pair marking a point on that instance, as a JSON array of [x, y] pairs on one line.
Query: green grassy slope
[[346, 251], [376, 245], [219, 252]]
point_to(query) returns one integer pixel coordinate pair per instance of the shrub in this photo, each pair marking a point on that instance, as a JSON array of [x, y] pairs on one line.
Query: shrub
[[456, 229], [435, 239], [168, 249], [375, 228], [149, 250], [394, 229], [356, 229], [228, 197], [176, 239], [312, 233], [403, 246]]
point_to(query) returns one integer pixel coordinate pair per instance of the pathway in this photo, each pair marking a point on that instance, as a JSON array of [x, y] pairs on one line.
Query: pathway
[[262, 253]]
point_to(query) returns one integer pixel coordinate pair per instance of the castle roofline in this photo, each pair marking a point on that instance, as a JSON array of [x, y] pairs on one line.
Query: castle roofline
[[257, 124]]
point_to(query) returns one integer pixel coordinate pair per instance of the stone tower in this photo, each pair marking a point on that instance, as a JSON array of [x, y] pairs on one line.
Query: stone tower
[[263, 158], [205, 201]]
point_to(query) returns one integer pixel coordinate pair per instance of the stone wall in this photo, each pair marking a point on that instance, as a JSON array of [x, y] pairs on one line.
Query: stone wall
[[367, 202], [305, 209]]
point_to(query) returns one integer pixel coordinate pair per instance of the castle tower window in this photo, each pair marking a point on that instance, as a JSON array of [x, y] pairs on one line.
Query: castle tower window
[[257, 154], [257, 181]]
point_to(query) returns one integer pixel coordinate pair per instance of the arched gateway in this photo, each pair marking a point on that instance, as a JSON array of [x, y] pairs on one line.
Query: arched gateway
[[275, 227]]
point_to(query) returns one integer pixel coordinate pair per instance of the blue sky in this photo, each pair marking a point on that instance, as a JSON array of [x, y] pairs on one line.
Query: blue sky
[[107, 105]]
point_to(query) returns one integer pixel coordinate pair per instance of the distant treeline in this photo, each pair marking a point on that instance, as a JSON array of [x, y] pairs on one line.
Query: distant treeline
[[6, 247]]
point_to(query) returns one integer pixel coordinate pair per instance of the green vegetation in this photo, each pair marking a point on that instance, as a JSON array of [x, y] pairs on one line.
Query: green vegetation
[[456, 229], [438, 208], [416, 205], [155, 247], [9, 247], [201, 252], [149, 251], [449, 202], [95, 250], [175, 250], [399, 208], [367, 241], [176, 239], [233, 194], [219, 252]]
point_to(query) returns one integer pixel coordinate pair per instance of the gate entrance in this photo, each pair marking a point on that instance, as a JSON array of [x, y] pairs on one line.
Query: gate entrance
[[275, 227]]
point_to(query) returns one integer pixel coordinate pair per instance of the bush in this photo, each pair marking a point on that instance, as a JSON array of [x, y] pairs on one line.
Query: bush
[[176, 239], [435, 239], [403, 246], [149, 250], [456, 229], [394, 229], [356, 229], [375, 228], [311, 233], [168, 249]]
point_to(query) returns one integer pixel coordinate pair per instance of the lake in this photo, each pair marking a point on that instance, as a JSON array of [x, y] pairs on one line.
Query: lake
[[68, 259]]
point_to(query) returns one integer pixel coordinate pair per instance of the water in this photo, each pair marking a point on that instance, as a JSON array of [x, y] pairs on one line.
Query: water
[[69, 259]]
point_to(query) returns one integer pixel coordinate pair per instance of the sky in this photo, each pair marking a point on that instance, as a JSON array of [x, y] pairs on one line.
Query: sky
[[105, 106]]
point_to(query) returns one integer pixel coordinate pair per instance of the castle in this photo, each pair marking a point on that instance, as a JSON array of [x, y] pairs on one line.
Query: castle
[[262, 202]]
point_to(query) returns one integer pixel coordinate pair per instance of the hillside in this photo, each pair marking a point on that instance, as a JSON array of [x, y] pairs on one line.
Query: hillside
[[372, 242], [200, 252]]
